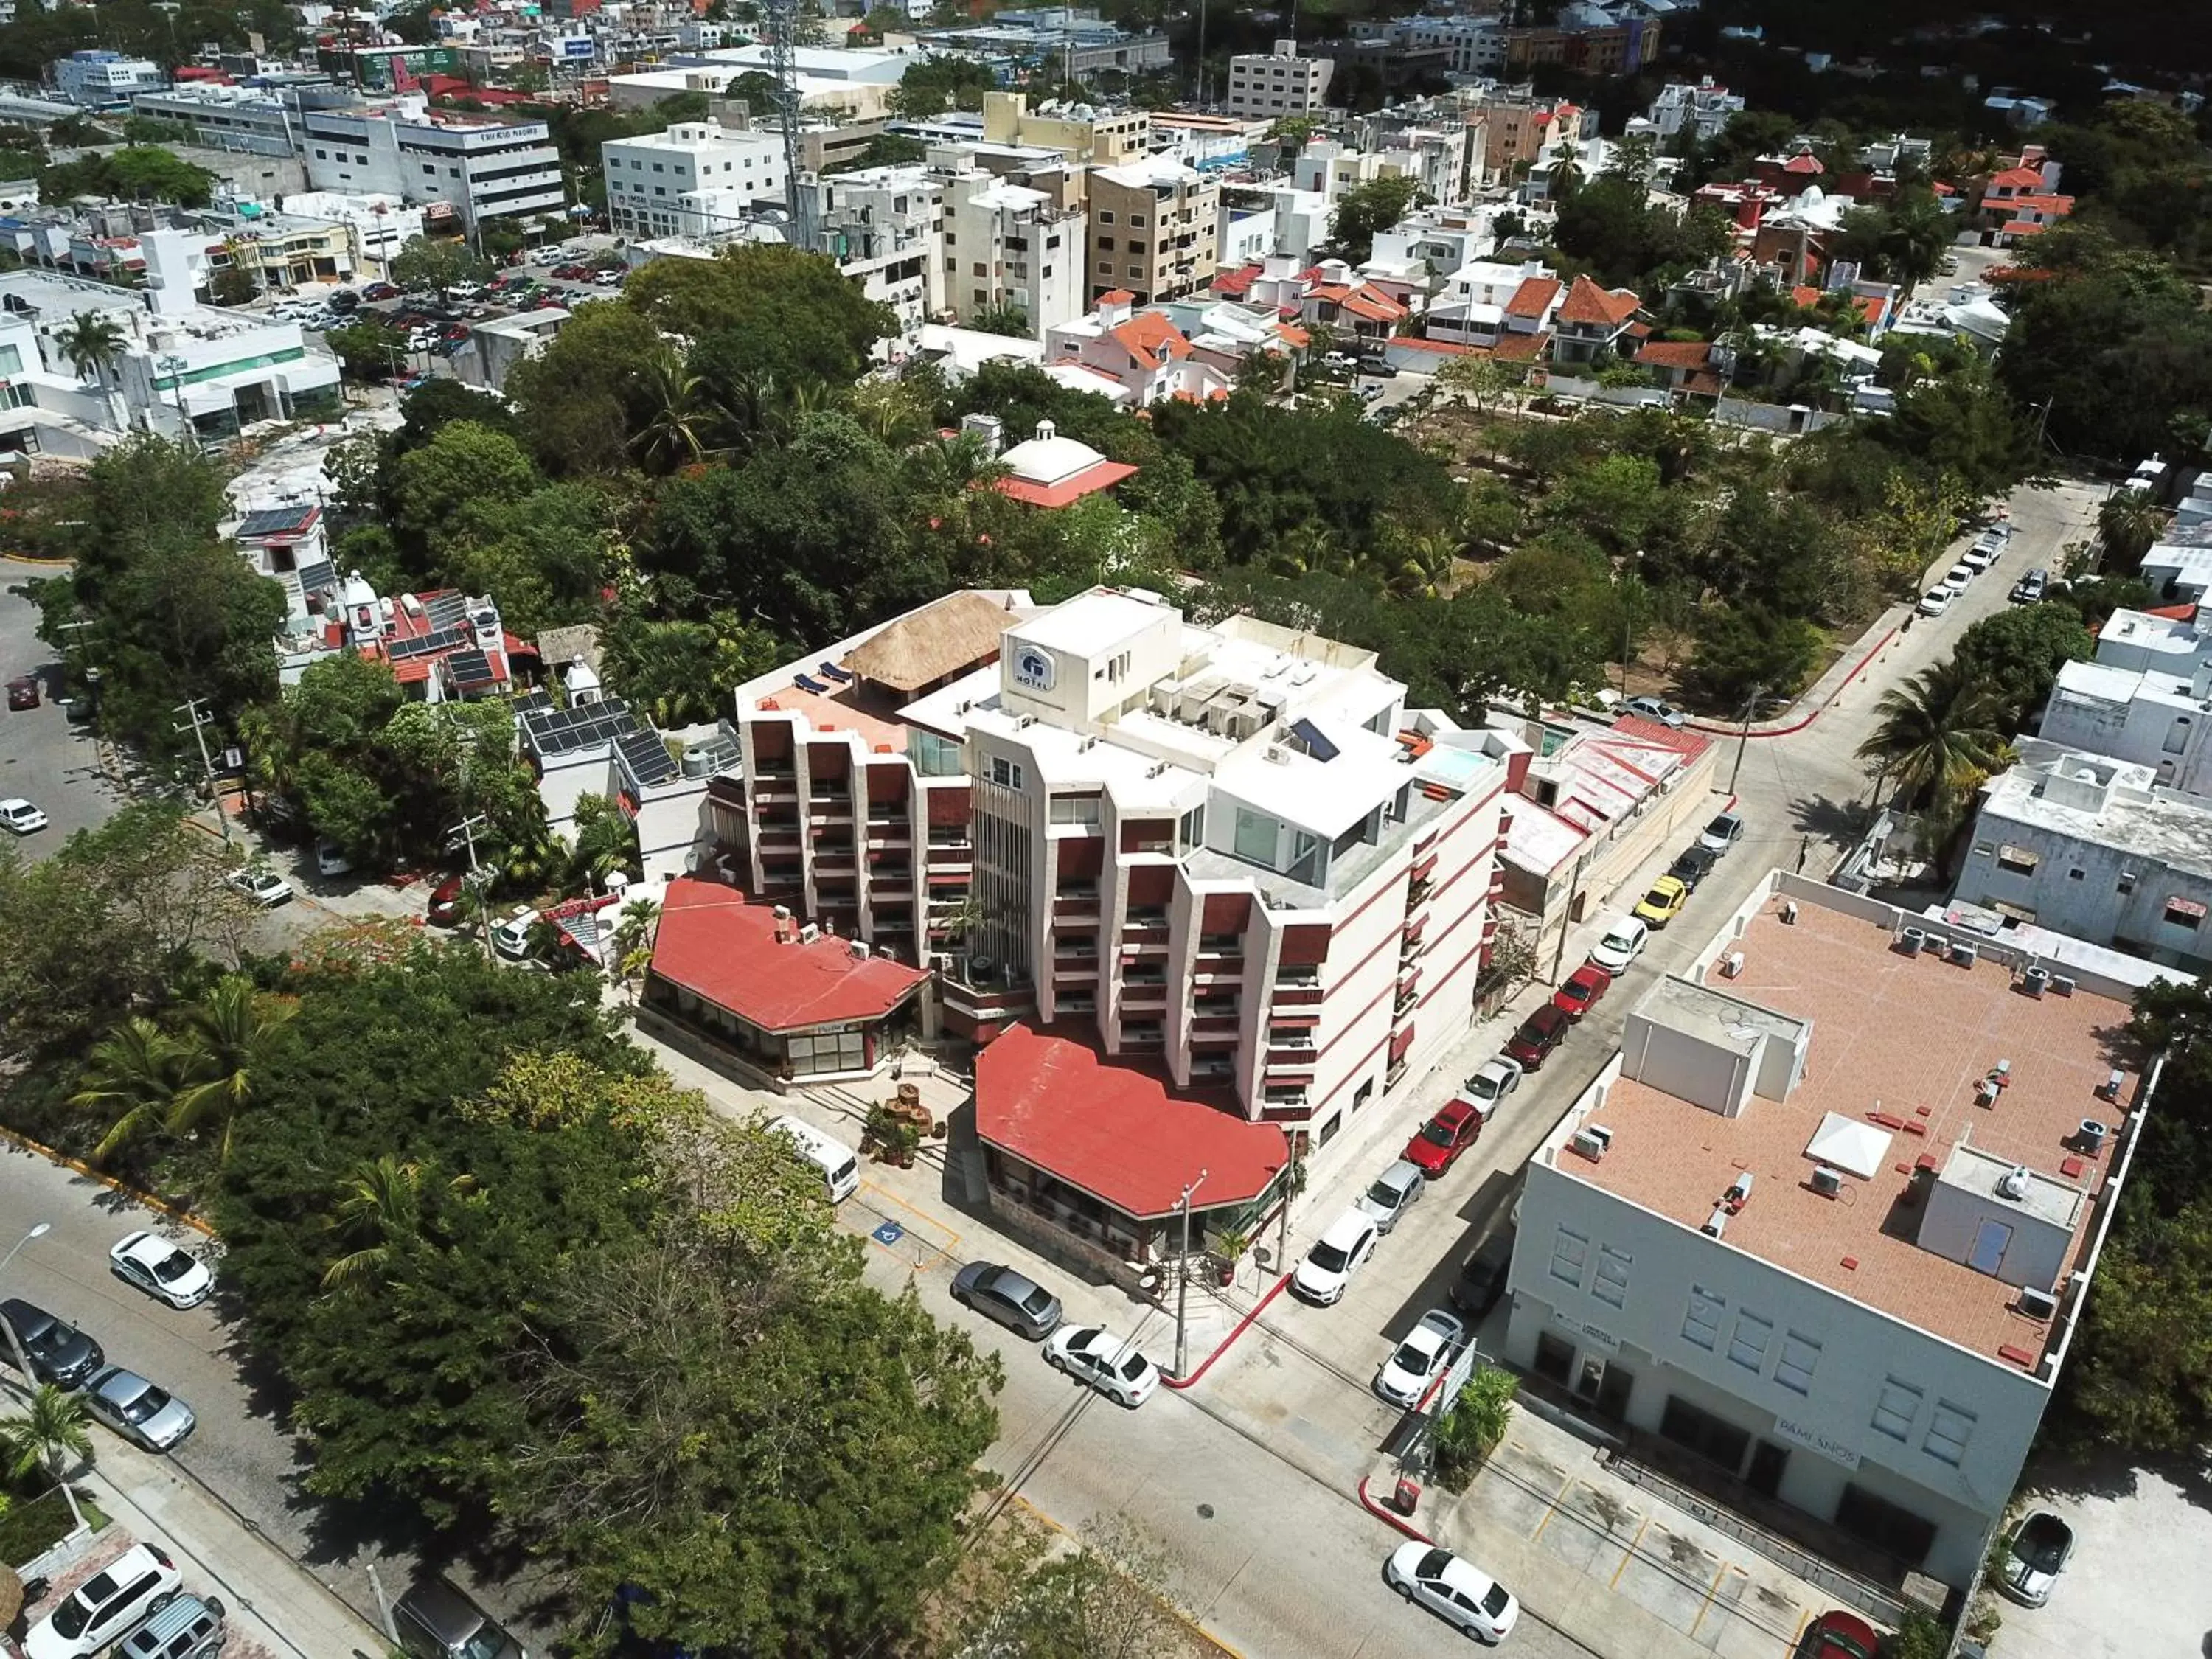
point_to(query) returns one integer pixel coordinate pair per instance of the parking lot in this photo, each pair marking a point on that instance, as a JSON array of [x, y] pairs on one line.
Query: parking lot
[[2135, 1584]]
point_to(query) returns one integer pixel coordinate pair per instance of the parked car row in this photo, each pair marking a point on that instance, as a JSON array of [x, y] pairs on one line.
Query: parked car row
[[1988, 548]]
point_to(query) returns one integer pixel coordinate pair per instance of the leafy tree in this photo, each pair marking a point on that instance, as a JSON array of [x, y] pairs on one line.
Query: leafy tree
[[367, 347], [229, 1038], [2016, 654], [438, 265], [2143, 1383], [936, 84], [382, 1210], [449, 488], [54, 1434], [1112, 1598], [885, 150], [92, 343], [1961, 425], [1611, 227], [1746, 650], [1617, 502], [131, 1079], [1009, 320], [1902, 240], [1365, 210], [2127, 526], [584, 400], [138, 172], [759, 309]]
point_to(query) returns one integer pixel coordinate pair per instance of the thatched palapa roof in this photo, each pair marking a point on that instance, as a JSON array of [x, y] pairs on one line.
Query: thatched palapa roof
[[957, 633]]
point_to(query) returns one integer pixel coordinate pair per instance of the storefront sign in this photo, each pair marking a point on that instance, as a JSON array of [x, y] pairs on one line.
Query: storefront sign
[[1591, 1333], [1798, 1434]]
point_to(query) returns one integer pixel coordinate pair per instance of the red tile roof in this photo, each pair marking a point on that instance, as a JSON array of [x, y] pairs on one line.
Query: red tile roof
[[1521, 347], [714, 944], [1803, 162], [1151, 338], [1588, 303], [2024, 227], [1675, 354], [1805, 294], [1374, 307], [1119, 296], [2040, 204], [2017, 179], [1236, 283], [1114, 1130], [1530, 299], [1102, 475]]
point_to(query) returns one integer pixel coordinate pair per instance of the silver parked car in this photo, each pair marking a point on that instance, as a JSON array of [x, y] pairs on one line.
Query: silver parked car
[[1395, 1191], [1022, 1306], [136, 1410]]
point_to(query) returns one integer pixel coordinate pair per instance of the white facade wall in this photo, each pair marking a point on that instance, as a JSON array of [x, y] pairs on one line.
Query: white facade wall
[[692, 179], [1265, 85], [483, 169], [2171, 734], [1633, 1318], [1477, 44], [1042, 277], [2108, 891], [97, 79], [885, 228]]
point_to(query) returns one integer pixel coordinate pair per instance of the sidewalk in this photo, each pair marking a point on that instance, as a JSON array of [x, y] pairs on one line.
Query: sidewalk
[[276, 1608]]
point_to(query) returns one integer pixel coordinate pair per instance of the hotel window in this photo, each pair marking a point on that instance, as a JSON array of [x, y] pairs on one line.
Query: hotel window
[[1075, 809], [1611, 1286], [1190, 829], [2183, 912], [1005, 773], [1801, 1356], [1948, 1431], [1569, 1251], [1701, 1322], [1747, 1347], [1255, 837], [1894, 1412], [2017, 859]]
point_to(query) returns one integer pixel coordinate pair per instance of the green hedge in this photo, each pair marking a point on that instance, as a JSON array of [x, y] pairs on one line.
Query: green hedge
[[32, 1526]]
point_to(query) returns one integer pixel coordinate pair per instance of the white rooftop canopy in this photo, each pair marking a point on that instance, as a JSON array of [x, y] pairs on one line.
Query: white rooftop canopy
[[1858, 1148]]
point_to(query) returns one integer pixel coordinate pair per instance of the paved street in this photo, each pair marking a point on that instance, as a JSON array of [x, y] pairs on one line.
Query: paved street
[[43, 758]]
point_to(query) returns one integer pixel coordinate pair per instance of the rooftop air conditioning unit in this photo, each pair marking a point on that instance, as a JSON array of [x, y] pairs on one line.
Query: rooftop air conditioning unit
[[809, 934], [1964, 952], [2013, 1184], [1592, 1142], [1826, 1182], [2034, 980], [1790, 913], [2061, 985], [860, 950], [2038, 1304], [1732, 964], [1716, 1222], [1912, 939]]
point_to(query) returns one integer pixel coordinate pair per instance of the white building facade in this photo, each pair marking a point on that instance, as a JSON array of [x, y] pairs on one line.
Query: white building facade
[[481, 168], [696, 179], [885, 228], [103, 80], [1269, 84], [1009, 247]]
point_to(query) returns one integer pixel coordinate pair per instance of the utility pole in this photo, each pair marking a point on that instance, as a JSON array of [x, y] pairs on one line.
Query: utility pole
[[195, 712], [466, 829], [1743, 738], [1567, 915], [24, 1379], [1628, 615], [174, 368], [1183, 1282]]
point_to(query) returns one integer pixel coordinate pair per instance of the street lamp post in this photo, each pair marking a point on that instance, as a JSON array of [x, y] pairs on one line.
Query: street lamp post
[[174, 368], [25, 1380], [1183, 1283]]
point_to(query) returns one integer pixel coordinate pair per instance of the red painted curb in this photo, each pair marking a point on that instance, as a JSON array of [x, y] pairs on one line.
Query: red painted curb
[[1391, 1516], [1799, 726], [1206, 1363]]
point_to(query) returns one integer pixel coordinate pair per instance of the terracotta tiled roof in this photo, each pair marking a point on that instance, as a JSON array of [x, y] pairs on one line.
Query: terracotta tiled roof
[[1236, 283], [2017, 179], [2040, 204], [1530, 299], [1675, 354], [1373, 306], [1119, 296], [1806, 295], [1704, 383], [717, 946], [1065, 492], [2024, 227], [1151, 338], [1587, 303], [1803, 163], [1521, 347]]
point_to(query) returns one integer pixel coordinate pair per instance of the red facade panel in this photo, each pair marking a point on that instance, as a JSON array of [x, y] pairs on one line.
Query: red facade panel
[[948, 807], [1304, 947], [1225, 913]]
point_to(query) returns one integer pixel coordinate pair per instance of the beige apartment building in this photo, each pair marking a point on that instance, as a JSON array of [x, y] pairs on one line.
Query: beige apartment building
[[1154, 230], [1093, 137]]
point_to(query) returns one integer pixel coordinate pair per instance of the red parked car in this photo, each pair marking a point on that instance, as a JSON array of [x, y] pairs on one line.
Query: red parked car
[[1581, 992], [1541, 1032], [1840, 1635], [445, 908], [23, 691], [1443, 1138]]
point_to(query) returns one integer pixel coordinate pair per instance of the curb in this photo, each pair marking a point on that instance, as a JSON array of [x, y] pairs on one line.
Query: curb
[[1390, 1518], [1794, 726], [185, 1217], [1179, 1615], [1206, 1363]]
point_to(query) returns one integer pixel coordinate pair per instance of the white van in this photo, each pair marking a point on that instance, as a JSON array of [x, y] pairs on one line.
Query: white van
[[839, 1164]]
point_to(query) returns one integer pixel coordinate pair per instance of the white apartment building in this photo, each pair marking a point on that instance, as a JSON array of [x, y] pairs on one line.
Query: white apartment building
[[104, 80], [1702, 111], [2089, 847], [380, 225], [1267, 84], [696, 179], [885, 227], [481, 167], [2147, 698], [224, 117], [1826, 1220], [1010, 247], [1433, 241], [1230, 854], [1477, 44]]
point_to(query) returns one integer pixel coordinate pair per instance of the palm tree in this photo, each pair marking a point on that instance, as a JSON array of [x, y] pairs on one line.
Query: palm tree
[[53, 1433], [137, 1067], [230, 1035], [682, 415], [1937, 734], [382, 1206], [92, 343], [2127, 525]]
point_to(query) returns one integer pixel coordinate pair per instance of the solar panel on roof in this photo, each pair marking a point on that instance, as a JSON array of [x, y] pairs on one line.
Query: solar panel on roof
[[530, 701], [646, 756], [470, 668], [275, 520], [429, 645], [558, 731], [319, 576], [445, 611]]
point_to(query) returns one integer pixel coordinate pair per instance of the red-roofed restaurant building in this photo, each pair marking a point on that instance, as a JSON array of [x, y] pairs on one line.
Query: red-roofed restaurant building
[[1195, 892]]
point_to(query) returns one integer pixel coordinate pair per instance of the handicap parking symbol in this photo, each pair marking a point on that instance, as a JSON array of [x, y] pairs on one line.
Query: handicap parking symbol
[[889, 1233]]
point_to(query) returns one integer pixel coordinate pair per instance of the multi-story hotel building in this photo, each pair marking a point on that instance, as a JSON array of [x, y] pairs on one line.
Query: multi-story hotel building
[[1225, 861]]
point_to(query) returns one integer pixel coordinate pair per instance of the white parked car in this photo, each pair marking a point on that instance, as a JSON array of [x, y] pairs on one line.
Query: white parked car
[[1493, 1080], [265, 888], [1656, 708], [111, 1603], [1103, 1360], [161, 1269], [1934, 602], [512, 937], [1722, 833], [1337, 1254], [22, 818], [1620, 943], [1957, 577], [1456, 1590], [1425, 1354]]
